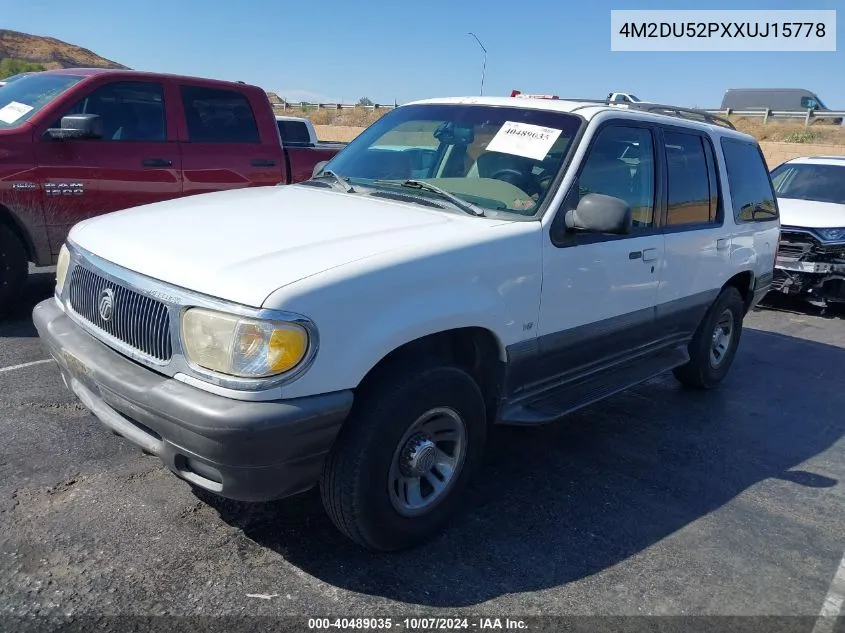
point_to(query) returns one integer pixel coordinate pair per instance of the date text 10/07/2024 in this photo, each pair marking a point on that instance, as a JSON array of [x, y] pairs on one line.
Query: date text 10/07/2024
[[417, 624]]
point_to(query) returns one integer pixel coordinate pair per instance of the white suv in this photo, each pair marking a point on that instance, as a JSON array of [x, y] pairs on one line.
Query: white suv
[[811, 255], [464, 262]]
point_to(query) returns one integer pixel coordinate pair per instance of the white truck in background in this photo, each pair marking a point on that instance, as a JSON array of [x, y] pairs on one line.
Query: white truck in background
[[300, 132]]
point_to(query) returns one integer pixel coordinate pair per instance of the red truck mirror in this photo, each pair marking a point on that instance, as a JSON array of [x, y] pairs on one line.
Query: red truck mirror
[[78, 126]]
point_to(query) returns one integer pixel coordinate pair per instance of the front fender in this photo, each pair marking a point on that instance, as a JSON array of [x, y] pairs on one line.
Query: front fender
[[367, 309], [347, 353]]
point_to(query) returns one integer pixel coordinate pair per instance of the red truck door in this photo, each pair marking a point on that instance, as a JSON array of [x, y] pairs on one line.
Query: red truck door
[[135, 162], [224, 144]]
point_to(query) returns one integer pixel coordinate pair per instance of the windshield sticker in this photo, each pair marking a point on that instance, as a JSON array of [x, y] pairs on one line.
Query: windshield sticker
[[524, 139], [12, 112]]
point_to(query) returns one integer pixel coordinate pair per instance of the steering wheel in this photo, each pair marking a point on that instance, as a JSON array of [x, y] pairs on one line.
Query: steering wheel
[[517, 179]]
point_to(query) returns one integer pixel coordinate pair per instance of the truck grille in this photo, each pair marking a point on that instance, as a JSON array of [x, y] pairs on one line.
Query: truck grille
[[138, 321]]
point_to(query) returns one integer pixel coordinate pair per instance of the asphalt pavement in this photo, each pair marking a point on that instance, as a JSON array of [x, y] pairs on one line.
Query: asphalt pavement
[[659, 501]]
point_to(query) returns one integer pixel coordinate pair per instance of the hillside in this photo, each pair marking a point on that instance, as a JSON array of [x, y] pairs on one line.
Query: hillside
[[49, 52]]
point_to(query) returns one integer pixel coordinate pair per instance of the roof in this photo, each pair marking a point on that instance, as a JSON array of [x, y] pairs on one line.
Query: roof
[[587, 108], [819, 160], [133, 74]]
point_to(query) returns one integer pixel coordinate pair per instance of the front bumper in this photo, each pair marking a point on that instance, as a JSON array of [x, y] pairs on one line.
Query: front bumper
[[819, 281], [249, 451]]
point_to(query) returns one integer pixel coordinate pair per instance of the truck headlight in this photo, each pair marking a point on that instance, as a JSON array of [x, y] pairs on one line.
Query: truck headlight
[[62, 265], [242, 346], [832, 235]]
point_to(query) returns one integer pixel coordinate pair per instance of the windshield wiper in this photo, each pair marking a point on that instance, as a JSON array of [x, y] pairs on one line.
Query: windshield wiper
[[463, 205], [337, 180]]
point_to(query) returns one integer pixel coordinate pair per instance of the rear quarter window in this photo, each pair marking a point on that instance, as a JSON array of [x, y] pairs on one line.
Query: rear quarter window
[[752, 195]]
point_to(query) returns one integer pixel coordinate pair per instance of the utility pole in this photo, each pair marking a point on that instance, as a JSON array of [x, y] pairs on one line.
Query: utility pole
[[483, 63]]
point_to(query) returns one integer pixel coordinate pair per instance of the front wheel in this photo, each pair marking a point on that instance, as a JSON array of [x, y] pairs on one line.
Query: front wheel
[[403, 458], [714, 344]]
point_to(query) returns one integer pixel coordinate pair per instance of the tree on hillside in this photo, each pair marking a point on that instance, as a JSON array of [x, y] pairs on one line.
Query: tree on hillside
[[365, 101], [9, 67]]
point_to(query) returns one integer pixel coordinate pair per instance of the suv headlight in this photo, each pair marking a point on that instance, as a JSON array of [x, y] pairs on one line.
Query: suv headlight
[[242, 346], [832, 235], [62, 265]]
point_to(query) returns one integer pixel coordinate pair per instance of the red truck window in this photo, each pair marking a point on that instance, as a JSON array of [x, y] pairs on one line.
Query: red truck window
[[218, 116], [130, 110]]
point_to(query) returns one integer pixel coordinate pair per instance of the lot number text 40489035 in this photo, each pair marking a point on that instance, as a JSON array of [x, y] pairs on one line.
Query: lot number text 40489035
[[417, 624]]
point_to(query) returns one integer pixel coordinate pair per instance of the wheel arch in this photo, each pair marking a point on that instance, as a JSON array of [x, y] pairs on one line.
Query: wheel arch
[[477, 350], [9, 219], [744, 282]]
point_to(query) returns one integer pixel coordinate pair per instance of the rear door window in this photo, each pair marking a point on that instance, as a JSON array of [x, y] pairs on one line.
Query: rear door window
[[690, 172], [752, 196], [215, 115]]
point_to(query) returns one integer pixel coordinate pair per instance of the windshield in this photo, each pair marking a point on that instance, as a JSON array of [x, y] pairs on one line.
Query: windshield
[[23, 98], [822, 183], [496, 158]]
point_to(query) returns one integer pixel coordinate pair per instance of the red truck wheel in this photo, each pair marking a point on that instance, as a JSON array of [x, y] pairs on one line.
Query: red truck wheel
[[14, 268]]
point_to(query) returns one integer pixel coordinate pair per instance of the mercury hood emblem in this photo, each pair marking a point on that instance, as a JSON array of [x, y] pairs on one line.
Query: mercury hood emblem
[[106, 305]]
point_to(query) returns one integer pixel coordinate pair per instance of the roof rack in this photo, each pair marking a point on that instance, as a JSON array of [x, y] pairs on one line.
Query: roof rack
[[684, 113], [658, 108]]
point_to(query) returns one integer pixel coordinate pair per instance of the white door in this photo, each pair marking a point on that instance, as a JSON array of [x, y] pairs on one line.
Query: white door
[[599, 290], [697, 243]]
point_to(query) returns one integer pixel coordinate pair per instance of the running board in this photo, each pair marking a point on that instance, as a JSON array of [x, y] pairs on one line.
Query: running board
[[555, 403]]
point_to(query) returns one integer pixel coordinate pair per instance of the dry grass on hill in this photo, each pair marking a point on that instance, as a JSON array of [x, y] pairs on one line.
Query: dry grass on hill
[[820, 132], [348, 117]]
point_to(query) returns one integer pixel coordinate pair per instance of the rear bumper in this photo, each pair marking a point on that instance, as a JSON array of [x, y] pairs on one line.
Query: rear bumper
[[249, 451]]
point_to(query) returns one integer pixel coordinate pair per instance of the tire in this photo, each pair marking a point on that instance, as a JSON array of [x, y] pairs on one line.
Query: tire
[[14, 268], [703, 371], [356, 484]]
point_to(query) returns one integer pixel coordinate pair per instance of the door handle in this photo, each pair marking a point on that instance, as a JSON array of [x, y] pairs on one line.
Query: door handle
[[262, 162], [721, 243], [157, 162], [649, 254], [635, 255]]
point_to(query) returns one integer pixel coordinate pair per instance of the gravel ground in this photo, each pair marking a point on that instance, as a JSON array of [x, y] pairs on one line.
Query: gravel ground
[[659, 501]]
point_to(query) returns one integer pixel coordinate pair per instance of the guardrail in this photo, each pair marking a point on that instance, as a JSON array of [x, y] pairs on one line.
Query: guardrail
[[809, 116]]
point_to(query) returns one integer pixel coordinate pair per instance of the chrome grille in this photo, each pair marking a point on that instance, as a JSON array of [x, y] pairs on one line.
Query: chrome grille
[[136, 320]]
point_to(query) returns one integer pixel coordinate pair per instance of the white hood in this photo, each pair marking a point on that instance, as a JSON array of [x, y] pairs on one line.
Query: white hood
[[242, 245], [811, 214]]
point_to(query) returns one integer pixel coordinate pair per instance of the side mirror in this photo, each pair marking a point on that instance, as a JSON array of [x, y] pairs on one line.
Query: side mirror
[[78, 126], [598, 213], [318, 168]]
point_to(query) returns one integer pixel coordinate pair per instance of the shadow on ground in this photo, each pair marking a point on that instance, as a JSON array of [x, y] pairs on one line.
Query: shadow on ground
[[18, 321], [554, 505], [793, 305]]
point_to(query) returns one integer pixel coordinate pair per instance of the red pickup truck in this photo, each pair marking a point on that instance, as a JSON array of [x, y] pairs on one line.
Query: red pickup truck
[[76, 143]]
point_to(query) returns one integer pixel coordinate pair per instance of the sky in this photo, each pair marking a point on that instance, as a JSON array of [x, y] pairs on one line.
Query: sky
[[330, 50]]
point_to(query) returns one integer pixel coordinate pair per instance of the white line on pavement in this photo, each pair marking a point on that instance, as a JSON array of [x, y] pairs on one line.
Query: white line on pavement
[[832, 606], [22, 365]]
